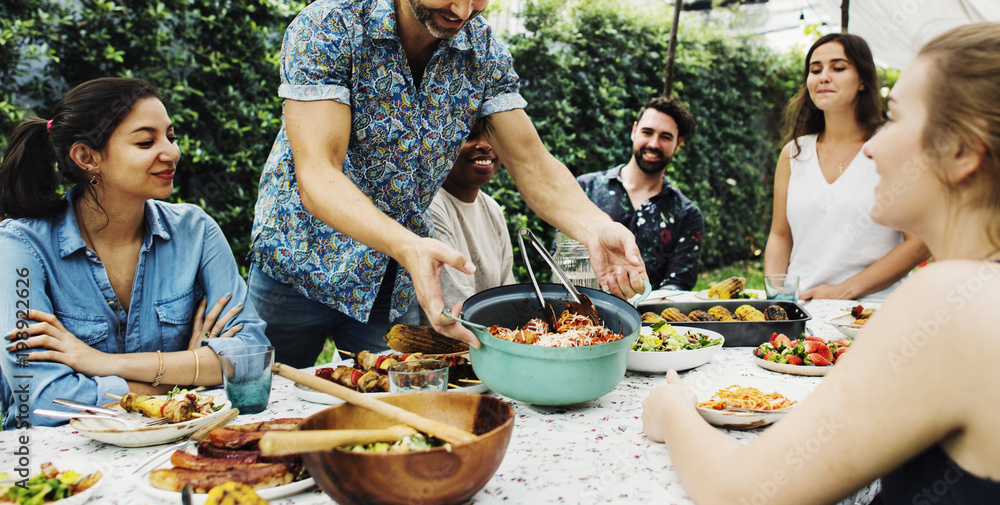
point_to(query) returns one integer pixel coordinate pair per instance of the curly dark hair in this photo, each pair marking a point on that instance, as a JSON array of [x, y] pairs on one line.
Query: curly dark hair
[[673, 107]]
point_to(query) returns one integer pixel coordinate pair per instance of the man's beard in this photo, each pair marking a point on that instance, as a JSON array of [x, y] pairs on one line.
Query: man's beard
[[426, 18], [651, 167]]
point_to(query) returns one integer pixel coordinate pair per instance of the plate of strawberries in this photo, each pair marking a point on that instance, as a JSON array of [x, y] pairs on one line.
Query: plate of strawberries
[[808, 355]]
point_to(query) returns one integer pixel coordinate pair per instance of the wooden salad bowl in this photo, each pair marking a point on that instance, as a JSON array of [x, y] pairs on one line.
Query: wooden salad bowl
[[437, 476]]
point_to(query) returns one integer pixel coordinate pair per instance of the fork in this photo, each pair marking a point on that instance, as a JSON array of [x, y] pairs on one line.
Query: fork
[[127, 422], [118, 414], [755, 411]]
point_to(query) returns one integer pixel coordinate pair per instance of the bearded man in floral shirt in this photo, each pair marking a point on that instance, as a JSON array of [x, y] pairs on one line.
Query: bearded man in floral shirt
[[667, 225], [379, 98]]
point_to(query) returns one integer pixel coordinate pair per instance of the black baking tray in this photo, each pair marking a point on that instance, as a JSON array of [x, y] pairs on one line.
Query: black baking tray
[[740, 333]]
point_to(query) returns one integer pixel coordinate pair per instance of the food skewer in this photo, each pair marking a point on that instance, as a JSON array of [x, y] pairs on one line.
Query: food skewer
[[438, 429], [472, 381], [346, 353], [278, 443]]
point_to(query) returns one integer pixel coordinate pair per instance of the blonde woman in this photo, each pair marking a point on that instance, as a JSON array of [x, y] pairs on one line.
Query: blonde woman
[[915, 402]]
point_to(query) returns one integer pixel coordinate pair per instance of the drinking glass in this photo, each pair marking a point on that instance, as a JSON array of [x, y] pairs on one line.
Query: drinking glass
[[246, 372], [782, 287], [418, 375]]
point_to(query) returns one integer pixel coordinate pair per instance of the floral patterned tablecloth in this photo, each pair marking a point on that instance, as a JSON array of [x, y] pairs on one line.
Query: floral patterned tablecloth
[[592, 452]]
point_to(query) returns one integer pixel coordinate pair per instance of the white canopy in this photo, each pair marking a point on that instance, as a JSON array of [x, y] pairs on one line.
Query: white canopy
[[896, 29]]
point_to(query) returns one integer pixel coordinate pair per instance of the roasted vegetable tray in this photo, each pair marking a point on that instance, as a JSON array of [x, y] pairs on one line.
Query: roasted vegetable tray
[[739, 333]]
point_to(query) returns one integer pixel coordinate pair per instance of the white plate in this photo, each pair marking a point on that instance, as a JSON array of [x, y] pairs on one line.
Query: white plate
[[661, 361], [83, 467], [271, 493], [808, 370], [845, 324], [705, 387], [761, 295], [309, 394], [141, 436]]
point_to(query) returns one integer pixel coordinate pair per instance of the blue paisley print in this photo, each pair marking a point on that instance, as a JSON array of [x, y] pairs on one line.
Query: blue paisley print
[[403, 142]]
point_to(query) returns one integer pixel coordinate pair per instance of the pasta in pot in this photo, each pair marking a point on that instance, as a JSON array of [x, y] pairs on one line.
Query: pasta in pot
[[571, 330]]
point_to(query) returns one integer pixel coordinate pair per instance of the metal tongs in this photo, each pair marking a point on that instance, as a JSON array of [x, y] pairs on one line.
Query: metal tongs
[[581, 303]]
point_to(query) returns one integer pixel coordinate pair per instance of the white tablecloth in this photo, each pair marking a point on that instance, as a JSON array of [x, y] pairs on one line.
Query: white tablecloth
[[593, 452]]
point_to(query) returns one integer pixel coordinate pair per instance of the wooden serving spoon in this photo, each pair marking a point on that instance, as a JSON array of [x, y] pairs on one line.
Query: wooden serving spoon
[[440, 430], [278, 443]]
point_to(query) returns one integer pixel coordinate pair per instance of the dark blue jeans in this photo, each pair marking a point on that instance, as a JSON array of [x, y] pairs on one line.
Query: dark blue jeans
[[298, 327]]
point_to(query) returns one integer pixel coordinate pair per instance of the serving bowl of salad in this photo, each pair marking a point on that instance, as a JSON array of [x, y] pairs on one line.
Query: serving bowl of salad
[[662, 346], [411, 471]]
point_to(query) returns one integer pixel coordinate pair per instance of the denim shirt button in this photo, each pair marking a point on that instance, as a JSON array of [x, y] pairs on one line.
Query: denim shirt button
[[89, 254], [111, 303]]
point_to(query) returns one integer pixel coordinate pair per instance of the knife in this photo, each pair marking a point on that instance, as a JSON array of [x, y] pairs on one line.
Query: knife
[[85, 406], [186, 495], [193, 439]]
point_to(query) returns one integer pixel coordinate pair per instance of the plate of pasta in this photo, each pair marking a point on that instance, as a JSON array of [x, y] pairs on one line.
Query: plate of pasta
[[716, 394]]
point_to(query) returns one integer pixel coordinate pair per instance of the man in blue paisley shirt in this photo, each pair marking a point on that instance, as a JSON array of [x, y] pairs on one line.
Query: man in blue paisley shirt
[[379, 98], [667, 226]]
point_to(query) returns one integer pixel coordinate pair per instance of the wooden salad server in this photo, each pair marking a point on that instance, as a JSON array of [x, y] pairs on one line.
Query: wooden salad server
[[277, 443], [438, 429]]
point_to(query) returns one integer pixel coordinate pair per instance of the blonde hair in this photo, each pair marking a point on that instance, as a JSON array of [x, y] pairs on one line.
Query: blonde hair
[[963, 104]]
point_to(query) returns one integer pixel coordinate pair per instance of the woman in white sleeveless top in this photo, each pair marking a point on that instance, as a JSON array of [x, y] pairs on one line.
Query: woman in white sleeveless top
[[824, 188]]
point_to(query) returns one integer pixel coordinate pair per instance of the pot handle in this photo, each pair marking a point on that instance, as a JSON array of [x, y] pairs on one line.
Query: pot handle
[[647, 290], [468, 324]]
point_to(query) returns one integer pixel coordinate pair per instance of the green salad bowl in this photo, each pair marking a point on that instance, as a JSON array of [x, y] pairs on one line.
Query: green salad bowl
[[547, 375]]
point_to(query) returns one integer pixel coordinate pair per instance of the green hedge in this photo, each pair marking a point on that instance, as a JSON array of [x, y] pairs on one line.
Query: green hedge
[[586, 67], [214, 61]]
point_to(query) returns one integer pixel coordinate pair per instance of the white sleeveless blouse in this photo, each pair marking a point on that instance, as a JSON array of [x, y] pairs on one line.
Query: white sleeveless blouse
[[833, 235]]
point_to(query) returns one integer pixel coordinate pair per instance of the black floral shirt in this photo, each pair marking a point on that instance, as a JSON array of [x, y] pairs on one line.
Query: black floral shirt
[[667, 227]]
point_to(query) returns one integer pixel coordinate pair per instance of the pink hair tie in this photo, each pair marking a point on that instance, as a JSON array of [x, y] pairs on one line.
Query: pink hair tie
[[48, 126]]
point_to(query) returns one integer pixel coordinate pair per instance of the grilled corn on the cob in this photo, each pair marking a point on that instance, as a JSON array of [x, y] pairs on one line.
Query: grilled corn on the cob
[[413, 338], [748, 313], [775, 313], [233, 493], [727, 289], [673, 315], [721, 313], [651, 317], [700, 315]]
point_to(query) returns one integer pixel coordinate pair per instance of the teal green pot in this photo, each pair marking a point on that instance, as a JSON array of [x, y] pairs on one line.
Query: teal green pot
[[547, 375]]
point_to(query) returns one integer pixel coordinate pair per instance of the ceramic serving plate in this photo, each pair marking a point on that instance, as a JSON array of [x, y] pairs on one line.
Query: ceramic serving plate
[[808, 370], [845, 324], [83, 467], [271, 493], [706, 387], [661, 361], [113, 433]]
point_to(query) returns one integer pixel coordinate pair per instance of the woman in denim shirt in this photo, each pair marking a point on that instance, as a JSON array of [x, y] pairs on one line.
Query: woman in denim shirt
[[104, 291]]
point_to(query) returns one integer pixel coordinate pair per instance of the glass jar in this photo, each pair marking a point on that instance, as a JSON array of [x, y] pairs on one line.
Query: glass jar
[[574, 259]]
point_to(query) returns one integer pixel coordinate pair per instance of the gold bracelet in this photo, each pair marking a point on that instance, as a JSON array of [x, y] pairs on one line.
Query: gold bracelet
[[159, 371], [197, 367]]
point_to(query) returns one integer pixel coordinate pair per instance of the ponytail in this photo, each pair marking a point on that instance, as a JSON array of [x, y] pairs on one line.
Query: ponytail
[[29, 183]]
